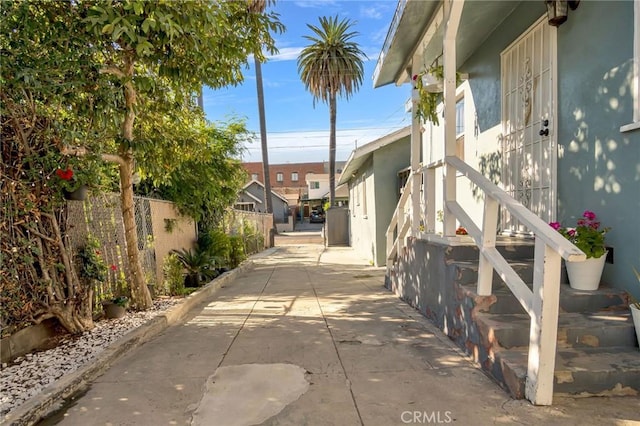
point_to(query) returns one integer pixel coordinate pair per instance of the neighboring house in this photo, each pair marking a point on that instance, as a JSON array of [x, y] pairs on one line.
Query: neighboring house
[[317, 184], [289, 181], [373, 175], [251, 198], [545, 125], [342, 194]]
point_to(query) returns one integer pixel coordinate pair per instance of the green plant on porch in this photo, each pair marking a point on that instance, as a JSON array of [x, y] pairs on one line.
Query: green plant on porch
[[587, 235]]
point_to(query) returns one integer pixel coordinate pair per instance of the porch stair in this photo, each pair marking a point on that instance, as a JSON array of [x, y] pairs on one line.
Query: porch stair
[[597, 352]]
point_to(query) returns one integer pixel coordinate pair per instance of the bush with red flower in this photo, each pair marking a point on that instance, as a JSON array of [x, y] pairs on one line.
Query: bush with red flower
[[587, 235]]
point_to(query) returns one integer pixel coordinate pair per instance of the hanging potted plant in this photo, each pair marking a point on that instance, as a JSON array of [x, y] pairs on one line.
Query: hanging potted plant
[[588, 237], [78, 176], [428, 88]]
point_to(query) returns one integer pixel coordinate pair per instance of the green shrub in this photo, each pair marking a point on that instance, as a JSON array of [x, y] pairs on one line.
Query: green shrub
[[237, 251], [172, 269], [199, 264], [216, 242]]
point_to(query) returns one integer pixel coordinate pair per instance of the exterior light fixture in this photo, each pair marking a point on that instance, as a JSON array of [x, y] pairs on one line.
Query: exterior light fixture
[[558, 10]]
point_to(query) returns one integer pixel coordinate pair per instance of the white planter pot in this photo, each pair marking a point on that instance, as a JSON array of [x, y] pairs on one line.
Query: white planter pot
[[586, 275], [635, 313]]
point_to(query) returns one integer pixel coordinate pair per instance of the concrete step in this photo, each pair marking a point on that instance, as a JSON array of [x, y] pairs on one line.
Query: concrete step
[[502, 301], [598, 329], [510, 248], [610, 371], [466, 272]]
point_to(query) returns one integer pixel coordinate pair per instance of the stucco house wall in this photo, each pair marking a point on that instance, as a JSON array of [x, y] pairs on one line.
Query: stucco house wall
[[362, 225], [371, 214], [597, 166]]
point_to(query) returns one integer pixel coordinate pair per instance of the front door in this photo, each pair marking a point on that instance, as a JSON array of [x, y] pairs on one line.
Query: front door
[[528, 77]]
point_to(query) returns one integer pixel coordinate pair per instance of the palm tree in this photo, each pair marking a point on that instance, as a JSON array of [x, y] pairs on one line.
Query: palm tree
[[332, 65], [258, 6]]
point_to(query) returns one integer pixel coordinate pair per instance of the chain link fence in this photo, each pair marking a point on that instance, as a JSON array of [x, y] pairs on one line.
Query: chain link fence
[[159, 229]]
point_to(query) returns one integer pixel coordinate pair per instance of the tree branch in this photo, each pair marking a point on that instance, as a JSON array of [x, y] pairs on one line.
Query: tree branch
[[81, 151], [113, 70]]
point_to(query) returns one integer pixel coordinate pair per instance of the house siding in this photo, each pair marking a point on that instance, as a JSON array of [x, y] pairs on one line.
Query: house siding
[[380, 172], [362, 227], [598, 166], [387, 162]]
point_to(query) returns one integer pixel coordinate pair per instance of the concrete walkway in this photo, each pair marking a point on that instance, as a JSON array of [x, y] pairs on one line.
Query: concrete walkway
[[310, 337]]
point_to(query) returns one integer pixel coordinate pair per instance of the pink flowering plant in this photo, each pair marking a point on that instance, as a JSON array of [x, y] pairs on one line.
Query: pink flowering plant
[[587, 235]]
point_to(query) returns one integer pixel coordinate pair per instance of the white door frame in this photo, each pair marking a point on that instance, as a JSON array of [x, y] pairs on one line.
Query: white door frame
[[551, 139]]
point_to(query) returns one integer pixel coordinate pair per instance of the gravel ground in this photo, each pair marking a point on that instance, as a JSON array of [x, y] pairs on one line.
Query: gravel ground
[[31, 374]]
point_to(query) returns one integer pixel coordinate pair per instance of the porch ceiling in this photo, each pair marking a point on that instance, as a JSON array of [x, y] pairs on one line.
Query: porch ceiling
[[414, 37]]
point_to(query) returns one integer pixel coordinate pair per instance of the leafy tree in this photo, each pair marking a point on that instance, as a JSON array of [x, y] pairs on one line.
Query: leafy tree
[[78, 77], [332, 65], [198, 171], [185, 44], [49, 95]]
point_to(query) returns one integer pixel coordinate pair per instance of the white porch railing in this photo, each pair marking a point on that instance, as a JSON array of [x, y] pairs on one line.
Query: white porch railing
[[541, 303]]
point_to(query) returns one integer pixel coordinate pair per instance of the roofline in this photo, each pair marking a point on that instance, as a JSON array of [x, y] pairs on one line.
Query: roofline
[[371, 147], [262, 185]]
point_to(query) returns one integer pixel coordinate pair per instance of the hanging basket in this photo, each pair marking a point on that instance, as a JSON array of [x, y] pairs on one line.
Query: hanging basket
[[80, 194], [432, 83]]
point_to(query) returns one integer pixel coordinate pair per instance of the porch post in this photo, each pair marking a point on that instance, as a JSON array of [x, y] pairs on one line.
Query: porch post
[[453, 11], [543, 332], [414, 179]]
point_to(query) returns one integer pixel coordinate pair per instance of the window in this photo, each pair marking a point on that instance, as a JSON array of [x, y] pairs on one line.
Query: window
[[364, 195], [294, 176], [460, 117], [403, 177], [460, 128], [279, 177], [314, 185], [254, 176]]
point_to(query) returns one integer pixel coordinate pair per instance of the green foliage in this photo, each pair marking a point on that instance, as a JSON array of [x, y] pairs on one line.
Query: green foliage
[[121, 301], [427, 104], [332, 64], [198, 263], [92, 265], [238, 254], [172, 270], [217, 243], [253, 241], [587, 235], [200, 173]]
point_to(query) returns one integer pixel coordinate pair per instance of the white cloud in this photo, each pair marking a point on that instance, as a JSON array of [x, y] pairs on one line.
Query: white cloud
[[315, 4], [371, 12], [286, 54]]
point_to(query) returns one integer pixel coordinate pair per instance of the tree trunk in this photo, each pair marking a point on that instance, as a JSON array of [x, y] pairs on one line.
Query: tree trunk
[[332, 150], [141, 298], [265, 153]]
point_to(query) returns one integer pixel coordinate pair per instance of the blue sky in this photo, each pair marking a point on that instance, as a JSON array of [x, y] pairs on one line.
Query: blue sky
[[298, 132]]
